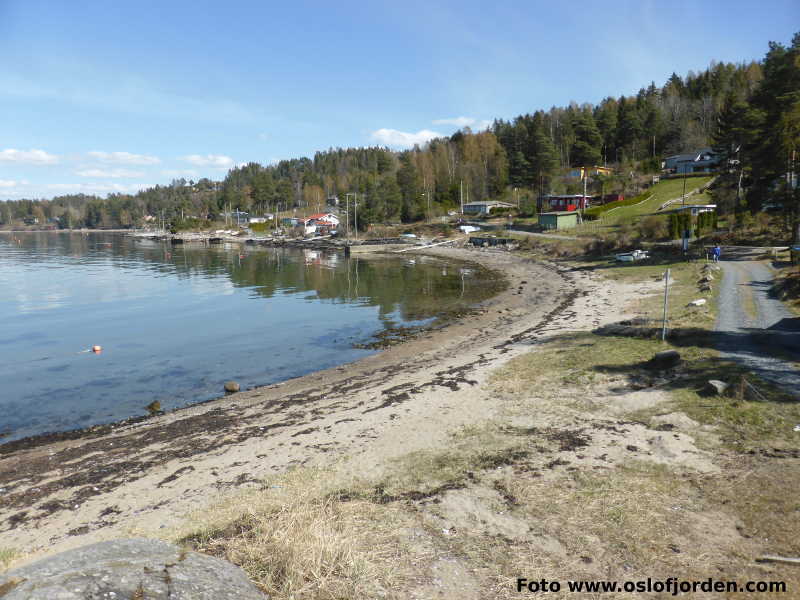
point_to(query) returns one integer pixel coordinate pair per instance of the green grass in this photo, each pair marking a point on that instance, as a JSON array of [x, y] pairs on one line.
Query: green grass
[[683, 289], [653, 198]]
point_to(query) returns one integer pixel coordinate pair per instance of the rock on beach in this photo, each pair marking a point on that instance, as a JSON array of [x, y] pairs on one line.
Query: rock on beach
[[128, 568]]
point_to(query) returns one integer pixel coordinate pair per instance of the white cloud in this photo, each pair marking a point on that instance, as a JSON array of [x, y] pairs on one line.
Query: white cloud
[[217, 161], [7, 183], [403, 139], [124, 158], [32, 157], [462, 122], [113, 173]]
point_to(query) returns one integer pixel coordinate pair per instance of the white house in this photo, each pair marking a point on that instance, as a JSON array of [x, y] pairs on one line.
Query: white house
[[485, 207], [327, 217], [699, 161]]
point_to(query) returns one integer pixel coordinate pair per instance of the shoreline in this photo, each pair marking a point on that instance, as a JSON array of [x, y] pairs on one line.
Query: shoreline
[[375, 342], [70, 492]]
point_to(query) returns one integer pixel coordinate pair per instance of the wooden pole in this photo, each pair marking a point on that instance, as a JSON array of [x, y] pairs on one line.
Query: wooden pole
[[666, 297]]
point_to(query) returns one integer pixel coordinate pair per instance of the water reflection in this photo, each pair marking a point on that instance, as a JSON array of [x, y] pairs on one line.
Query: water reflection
[[177, 321]]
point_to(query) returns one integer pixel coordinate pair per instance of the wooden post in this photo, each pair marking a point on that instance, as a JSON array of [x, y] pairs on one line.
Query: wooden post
[[666, 297]]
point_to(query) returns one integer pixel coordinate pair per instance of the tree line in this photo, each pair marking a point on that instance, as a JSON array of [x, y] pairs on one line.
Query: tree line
[[749, 112]]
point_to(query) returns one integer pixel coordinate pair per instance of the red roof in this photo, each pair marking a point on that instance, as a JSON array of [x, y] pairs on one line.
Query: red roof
[[318, 216]]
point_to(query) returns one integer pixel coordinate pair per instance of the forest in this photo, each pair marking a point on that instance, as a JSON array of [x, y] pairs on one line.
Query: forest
[[748, 112]]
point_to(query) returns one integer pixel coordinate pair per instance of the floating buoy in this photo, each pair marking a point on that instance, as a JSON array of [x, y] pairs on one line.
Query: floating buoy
[[97, 349]]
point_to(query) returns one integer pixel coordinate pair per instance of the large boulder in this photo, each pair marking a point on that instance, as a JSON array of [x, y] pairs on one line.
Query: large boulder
[[126, 569]]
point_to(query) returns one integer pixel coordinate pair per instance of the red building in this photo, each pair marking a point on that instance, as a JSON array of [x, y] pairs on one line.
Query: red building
[[569, 202]]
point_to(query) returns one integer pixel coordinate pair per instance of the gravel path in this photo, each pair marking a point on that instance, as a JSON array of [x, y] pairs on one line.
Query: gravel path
[[754, 328]]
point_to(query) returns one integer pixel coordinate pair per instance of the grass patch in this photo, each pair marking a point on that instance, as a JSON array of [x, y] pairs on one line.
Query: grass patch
[[472, 449], [7, 555], [684, 288], [649, 201], [571, 360], [301, 536]]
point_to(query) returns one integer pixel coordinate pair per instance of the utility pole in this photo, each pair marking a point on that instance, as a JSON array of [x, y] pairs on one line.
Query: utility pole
[[347, 211], [461, 195], [585, 182], [355, 214]]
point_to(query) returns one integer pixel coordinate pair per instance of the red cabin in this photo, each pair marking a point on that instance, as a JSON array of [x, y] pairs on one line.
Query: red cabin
[[569, 203]]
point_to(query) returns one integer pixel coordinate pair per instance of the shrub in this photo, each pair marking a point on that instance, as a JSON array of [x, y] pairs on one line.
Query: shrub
[[653, 228]]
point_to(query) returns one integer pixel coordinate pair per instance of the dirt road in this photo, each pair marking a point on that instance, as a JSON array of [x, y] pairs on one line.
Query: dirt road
[[754, 328]]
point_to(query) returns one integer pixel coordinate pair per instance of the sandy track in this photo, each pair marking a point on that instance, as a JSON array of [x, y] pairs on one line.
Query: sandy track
[[149, 475]]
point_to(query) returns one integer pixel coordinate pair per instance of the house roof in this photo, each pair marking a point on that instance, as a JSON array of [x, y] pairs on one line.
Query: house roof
[[488, 203], [320, 215], [690, 156]]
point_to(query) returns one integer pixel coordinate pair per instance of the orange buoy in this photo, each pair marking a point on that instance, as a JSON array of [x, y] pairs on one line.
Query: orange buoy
[[97, 349]]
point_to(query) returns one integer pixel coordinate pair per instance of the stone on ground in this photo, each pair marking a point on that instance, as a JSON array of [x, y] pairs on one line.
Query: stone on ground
[[716, 387], [128, 568]]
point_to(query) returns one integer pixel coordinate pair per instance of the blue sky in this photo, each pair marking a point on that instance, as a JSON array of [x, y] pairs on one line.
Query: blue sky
[[99, 96]]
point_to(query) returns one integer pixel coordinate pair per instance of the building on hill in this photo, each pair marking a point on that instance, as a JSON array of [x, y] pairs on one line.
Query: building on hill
[[704, 160], [320, 217], [485, 207], [558, 220], [583, 172], [695, 209], [566, 203]]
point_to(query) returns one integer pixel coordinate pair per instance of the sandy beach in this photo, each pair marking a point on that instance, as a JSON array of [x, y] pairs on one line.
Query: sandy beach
[[148, 475]]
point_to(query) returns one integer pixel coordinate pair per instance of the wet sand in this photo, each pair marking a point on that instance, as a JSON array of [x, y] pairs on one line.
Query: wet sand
[[146, 475]]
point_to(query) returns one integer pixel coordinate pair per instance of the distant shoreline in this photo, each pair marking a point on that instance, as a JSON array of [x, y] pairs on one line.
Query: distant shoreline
[[68, 230]]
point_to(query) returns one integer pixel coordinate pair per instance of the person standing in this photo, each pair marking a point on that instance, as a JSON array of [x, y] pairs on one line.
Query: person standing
[[717, 252]]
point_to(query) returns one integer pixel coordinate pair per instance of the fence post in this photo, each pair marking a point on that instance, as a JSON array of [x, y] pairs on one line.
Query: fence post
[[664, 322]]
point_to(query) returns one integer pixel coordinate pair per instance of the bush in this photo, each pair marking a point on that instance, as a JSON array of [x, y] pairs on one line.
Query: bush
[[260, 227], [189, 224], [654, 228]]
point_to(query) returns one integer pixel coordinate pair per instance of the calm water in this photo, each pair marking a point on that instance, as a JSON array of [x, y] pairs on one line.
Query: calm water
[[176, 322]]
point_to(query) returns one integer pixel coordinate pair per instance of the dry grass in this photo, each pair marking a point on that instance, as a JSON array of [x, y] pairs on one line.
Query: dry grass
[[301, 536], [7, 556], [313, 534]]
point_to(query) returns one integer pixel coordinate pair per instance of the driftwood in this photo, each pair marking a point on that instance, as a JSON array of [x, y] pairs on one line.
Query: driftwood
[[767, 558], [429, 245]]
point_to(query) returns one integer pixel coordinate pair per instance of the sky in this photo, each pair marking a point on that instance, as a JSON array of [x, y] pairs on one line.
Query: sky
[[100, 97]]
